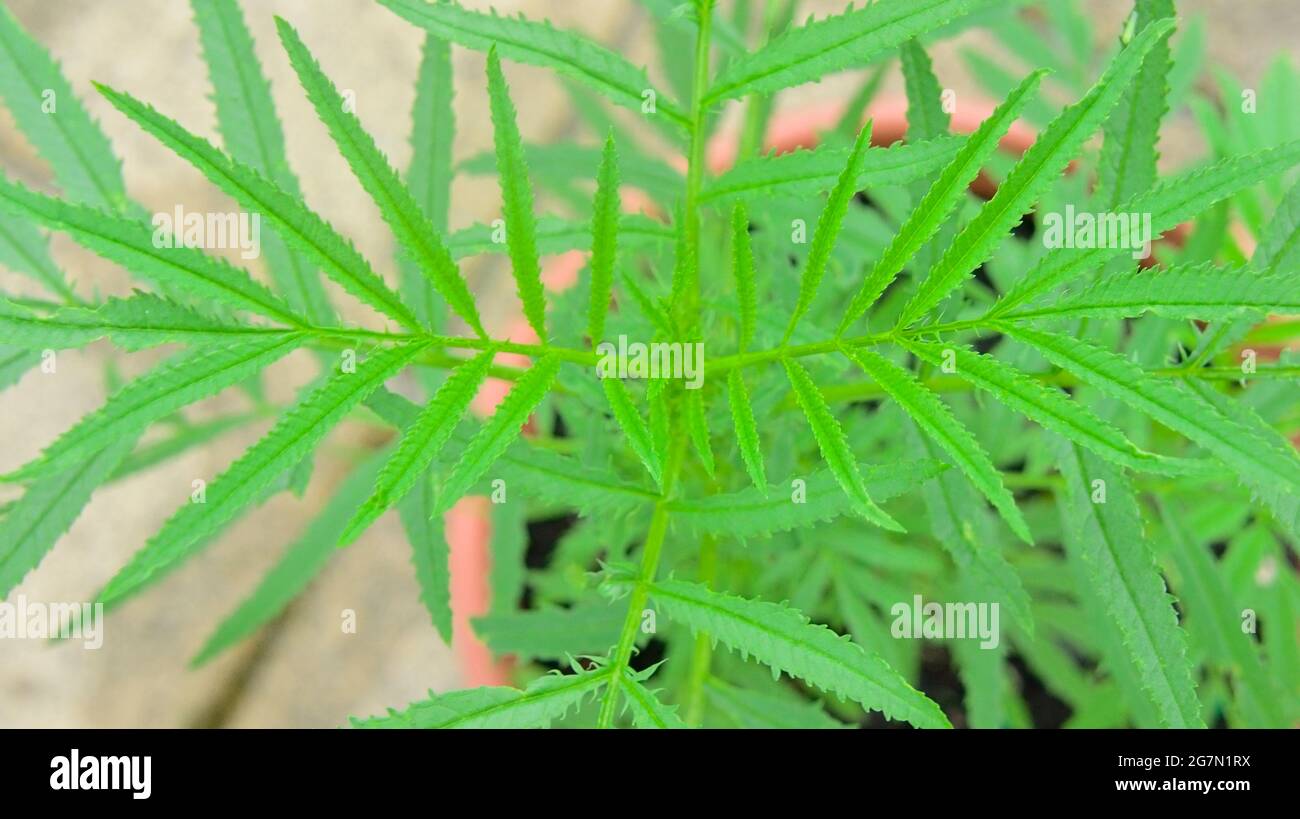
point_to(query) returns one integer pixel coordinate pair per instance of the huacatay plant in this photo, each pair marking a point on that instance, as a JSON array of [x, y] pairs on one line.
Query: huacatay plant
[[827, 410]]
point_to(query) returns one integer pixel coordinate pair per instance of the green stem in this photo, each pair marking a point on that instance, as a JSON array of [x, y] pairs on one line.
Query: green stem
[[654, 544], [658, 530], [702, 655]]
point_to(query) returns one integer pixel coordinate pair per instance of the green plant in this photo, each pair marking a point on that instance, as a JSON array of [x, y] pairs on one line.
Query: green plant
[[866, 467]]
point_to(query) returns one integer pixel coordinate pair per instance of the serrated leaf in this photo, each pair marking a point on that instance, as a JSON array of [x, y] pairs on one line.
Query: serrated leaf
[[551, 633], [421, 443], [50, 505], [784, 639], [1171, 202], [937, 421], [546, 699], [1202, 291], [810, 172], [24, 250], [500, 430], [742, 270], [429, 176], [752, 511], [297, 224], [833, 43], [1176, 407], [697, 424], [633, 426], [828, 230], [430, 553], [926, 118], [754, 709], [177, 382], [555, 235], [834, 446], [145, 320], [1110, 545], [1127, 166], [132, 245], [1038, 168], [1211, 613], [525, 41], [398, 207], [962, 524], [517, 199], [298, 431], [646, 710], [70, 141], [251, 133], [298, 566], [1050, 407], [939, 202], [604, 242], [742, 417]]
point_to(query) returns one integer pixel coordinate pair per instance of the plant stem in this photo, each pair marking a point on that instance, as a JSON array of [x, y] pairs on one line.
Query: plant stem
[[658, 530], [654, 544], [702, 656]]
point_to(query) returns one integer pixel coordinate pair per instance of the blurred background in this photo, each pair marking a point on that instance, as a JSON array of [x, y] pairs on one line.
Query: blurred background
[[303, 670]]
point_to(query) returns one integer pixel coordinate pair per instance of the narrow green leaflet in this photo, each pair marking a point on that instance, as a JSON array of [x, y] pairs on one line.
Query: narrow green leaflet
[[828, 230], [48, 508], [396, 204], [783, 639], [834, 446], [50, 115], [177, 382], [831, 44], [429, 553], [299, 565], [810, 172], [533, 43], [604, 242], [421, 443], [755, 512], [295, 434], [742, 416], [633, 426], [937, 421], [1176, 407], [145, 320], [1171, 202], [963, 525], [64, 330], [742, 270], [517, 199], [291, 219], [697, 423], [754, 709], [500, 430], [551, 633], [1210, 613], [1038, 168], [251, 133], [24, 250], [947, 192], [433, 129], [556, 235], [646, 710], [926, 118], [1104, 528], [1127, 166], [1048, 406], [132, 245], [1201, 291], [545, 700]]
